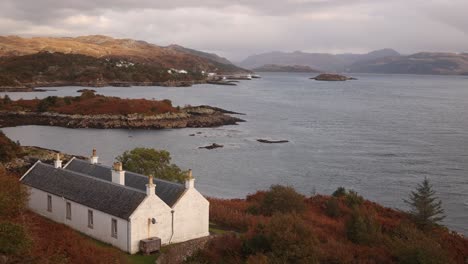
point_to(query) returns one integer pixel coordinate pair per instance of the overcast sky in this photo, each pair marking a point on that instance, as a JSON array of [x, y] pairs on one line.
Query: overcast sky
[[236, 29]]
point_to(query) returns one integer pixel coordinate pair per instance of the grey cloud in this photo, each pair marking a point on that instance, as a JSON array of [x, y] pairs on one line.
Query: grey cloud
[[49, 10], [239, 28]]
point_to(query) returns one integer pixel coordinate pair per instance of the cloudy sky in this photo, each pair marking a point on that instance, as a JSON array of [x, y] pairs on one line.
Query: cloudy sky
[[238, 28]]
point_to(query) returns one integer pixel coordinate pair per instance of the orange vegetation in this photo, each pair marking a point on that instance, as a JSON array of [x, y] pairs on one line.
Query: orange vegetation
[[394, 240], [90, 104], [53, 241]]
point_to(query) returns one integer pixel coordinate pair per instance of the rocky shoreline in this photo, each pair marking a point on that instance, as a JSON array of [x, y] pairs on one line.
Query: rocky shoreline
[[33, 87], [31, 154], [201, 116]]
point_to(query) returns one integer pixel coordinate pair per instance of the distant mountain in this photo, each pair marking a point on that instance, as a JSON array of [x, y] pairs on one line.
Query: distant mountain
[[210, 56], [284, 68], [320, 61], [132, 50], [221, 63], [419, 63]]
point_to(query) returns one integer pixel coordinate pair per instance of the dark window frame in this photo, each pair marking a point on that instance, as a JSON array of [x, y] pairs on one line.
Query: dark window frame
[[49, 203], [90, 219], [68, 211], [114, 229]]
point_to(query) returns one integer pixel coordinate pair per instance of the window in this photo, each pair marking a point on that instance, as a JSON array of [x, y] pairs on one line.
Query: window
[[49, 203], [90, 219], [68, 211], [114, 228]]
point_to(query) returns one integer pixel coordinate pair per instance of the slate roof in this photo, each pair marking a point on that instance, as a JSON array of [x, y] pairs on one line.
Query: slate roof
[[107, 197], [168, 191]]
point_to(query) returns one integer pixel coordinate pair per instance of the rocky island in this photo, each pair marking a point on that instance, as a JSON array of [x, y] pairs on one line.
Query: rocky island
[[97, 111], [332, 77]]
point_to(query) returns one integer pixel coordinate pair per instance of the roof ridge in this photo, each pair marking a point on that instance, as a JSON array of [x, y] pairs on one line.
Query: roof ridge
[[93, 178], [134, 173]]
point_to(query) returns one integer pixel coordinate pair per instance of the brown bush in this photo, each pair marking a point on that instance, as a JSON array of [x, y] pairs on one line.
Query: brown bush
[[90, 104], [13, 196], [291, 240], [232, 214], [8, 149], [410, 245], [222, 249], [279, 199], [383, 242]]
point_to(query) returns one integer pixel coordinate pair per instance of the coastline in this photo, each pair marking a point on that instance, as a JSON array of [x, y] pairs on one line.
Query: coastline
[[201, 116], [35, 87]]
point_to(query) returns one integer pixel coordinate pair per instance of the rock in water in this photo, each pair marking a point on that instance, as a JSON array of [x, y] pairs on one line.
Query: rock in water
[[332, 77], [212, 146], [272, 141]]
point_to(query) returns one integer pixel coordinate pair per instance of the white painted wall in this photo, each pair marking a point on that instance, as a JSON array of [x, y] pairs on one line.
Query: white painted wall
[[79, 218], [191, 216], [191, 219], [151, 207]]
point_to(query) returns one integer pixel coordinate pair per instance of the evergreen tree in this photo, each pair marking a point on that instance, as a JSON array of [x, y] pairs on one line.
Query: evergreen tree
[[426, 208]]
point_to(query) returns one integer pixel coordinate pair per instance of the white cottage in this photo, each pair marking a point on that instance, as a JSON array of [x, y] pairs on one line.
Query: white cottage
[[115, 206]]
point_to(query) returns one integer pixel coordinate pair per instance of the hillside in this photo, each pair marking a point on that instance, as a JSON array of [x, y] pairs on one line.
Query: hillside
[[219, 62], [59, 69], [103, 46], [96, 52], [419, 63], [319, 61], [284, 68], [210, 56], [281, 226]]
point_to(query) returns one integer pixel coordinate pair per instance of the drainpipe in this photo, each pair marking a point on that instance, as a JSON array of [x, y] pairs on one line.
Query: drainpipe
[[129, 226], [172, 226]]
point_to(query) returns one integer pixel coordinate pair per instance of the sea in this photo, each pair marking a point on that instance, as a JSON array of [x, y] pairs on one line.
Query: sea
[[380, 135]]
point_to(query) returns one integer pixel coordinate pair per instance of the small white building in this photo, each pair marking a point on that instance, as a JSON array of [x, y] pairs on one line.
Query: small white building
[[115, 206]]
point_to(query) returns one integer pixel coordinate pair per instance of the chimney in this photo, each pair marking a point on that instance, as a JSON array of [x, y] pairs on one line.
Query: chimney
[[94, 157], [118, 175], [57, 161], [189, 181], [150, 187]]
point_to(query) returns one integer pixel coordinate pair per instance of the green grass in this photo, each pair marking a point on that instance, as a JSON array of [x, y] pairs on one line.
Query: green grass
[[132, 259], [214, 229], [98, 243]]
